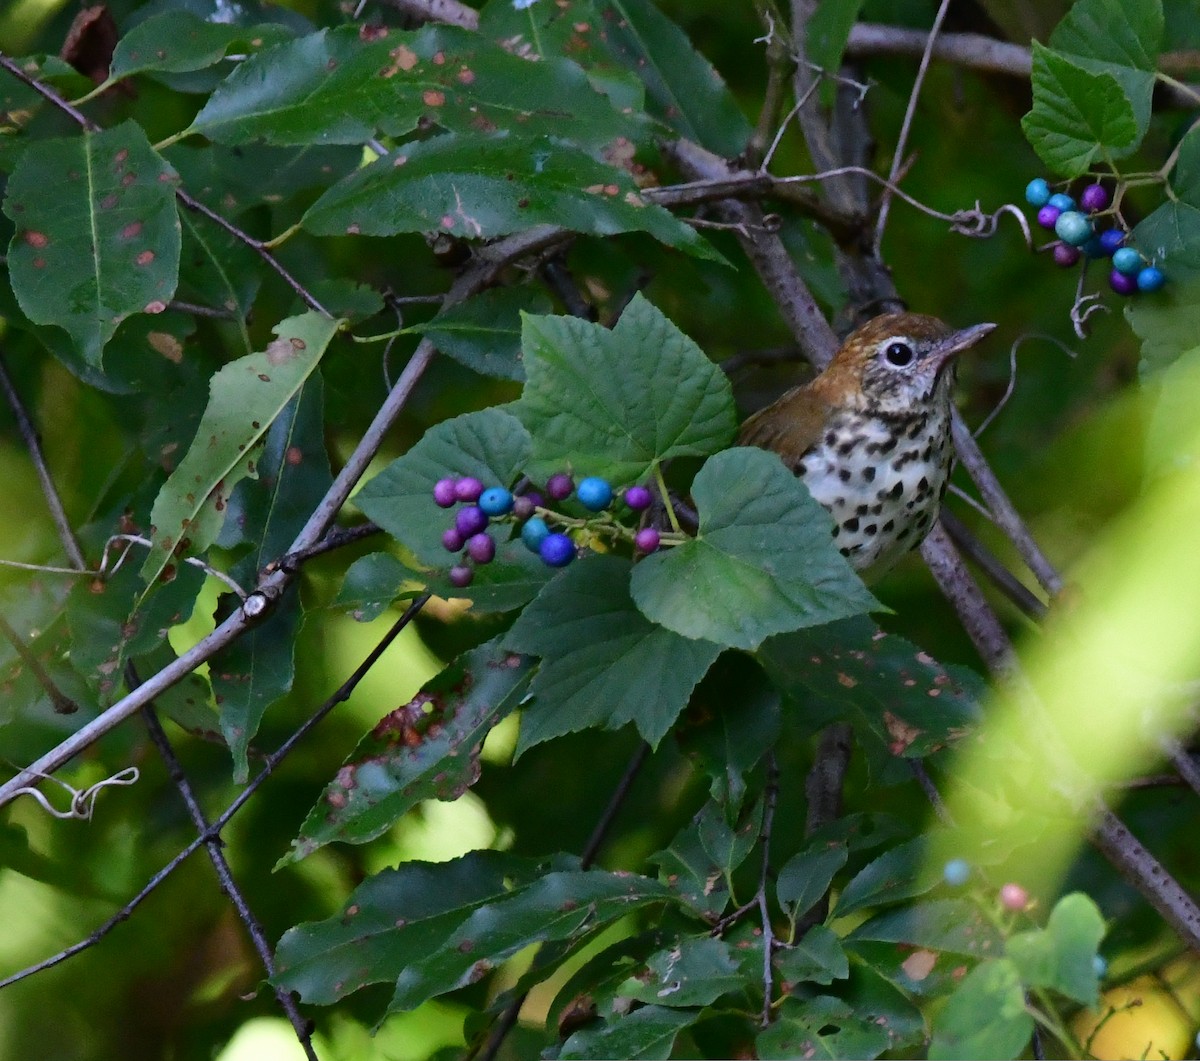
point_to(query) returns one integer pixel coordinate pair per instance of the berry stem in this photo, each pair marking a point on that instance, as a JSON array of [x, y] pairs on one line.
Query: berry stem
[[661, 483]]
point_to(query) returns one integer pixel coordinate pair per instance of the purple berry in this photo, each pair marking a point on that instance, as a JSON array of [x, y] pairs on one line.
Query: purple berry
[[1150, 279], [470, 520], [481, 548], [560, 486], [1047, 216], [646, 540], [594, 493], [1094, 197], [496, 501], [537, 500], [468, 488], [522, 507], [461, 575], [556, 550], [1122, 284], [445, 492], [452, 539], [1111, 240], [1066, 255], [638, 498]]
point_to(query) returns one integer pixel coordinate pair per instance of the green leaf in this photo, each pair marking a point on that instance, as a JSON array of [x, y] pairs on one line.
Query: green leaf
[[954, 925], [826, 33], [615, 403], [728, 847], [514, 578], [245, 397], [899, 873], [426, 749], [97, 234], [852, 671], [1170, 235], [178, 41], [820, 1027], [684, 89], [692, 874], [648, 1034], [347, 85], [806, 877], [560, 905], [391, 919], [1165, 324], [1078, 117], [484, 332], [604, 663], [371, 583], [762, 562], [476, 187], [984, 1018], [818, 958], [1062, 955], [695, 972]]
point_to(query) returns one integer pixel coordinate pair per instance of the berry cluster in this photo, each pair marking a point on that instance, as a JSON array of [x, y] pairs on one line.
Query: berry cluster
[[1075, 225], [484, 507]]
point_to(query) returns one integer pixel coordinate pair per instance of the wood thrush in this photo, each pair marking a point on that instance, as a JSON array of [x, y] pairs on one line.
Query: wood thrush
[[870, 436]]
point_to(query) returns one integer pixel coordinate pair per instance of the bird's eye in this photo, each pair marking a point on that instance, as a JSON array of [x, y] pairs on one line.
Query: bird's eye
[[899, 354]]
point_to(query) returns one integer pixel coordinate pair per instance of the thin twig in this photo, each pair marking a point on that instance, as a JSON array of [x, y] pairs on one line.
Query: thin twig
[[999, 575], [770, 797], [63, 704], [1188, 768]]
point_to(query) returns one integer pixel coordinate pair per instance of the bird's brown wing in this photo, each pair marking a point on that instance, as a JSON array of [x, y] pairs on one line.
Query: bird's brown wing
[[788, 426]]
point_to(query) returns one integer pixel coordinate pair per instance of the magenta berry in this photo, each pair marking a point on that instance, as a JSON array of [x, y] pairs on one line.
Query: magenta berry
[[468, 488], [523, 507], [556, 550], [461, 575], [560, 486], [646, 540], [470, 520], [452, 539], [1048, 215], [481, 548], [445, 492], [1094, 197], [1065, 255], [1014, 897], [638, 498], [1122, 284]]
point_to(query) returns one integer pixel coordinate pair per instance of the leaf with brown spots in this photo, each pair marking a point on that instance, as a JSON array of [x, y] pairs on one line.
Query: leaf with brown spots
[[178, 42]]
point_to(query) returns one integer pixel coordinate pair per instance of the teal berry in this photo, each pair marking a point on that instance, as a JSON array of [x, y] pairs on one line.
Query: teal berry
[[1037, 192], [496, 501], [534, 533], [1150, 279], [594, 493], [1127, 261], [956, 872], [1100, 967], [556, 550], [1073, 228], [1061, 202]]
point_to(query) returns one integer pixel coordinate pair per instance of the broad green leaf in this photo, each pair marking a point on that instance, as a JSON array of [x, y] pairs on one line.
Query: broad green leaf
[[179, 41], [1062, 955], [615, 403], [647, 1034], [490, 444], [684, 89], [557, 906], [852, 671], [245, 397], [985, 1018], [727, 846], [514, 578], [251, 673], [1078, 118], [347, 85], [1171, 234], [476, 187], [899, 873], [818, 958], [692, 874], [955, 925], [593, 640], [820, 1027], [694, 972], [371, 583], [762, 562], [97, 234], [805, 878], [484, 332], [1165, 324], [601, 976], [219, 271], [425, 749], [391, 919]]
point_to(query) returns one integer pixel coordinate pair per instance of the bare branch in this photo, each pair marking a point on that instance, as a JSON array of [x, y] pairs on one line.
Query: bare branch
[[450, 12]]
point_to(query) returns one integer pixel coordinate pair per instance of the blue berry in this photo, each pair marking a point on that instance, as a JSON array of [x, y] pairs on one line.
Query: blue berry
[[1121, 283], [638, 498], [594, 493], [1150, 279], [534, 533], [1094, 248], [646, 540], [556, 550], [496, 501], [1111, 240], [1061, 202], [559, 486], [1048, 215], [1037, 192], [452, 539], [461, 575], [956, 872], [470, 520], [1094, 197], [1073, 228], [445, 492], [481, 548], [1126, 260], [468, 488], [1100, 966]]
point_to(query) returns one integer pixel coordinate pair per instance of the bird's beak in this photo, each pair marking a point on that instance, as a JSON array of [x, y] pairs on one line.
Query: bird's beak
[[957, 342]]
